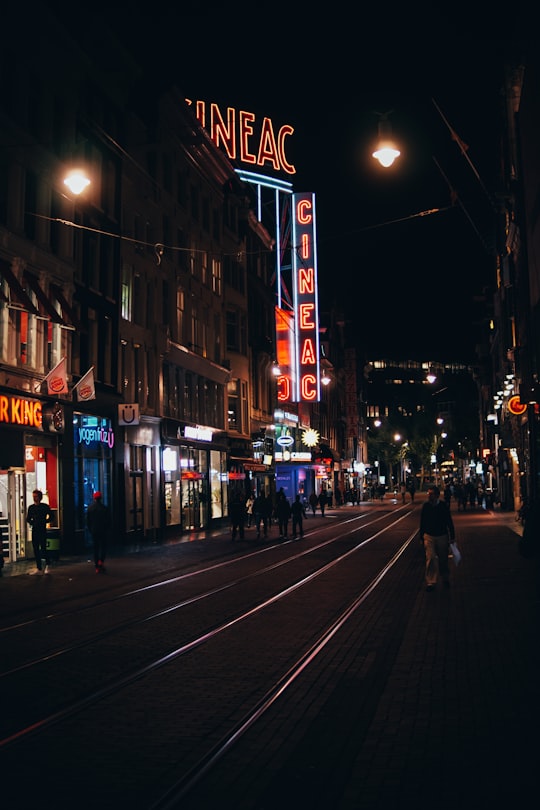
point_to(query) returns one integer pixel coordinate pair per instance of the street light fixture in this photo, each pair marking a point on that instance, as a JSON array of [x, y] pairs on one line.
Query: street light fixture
[[386, 151], [77, 181], [325, 379]]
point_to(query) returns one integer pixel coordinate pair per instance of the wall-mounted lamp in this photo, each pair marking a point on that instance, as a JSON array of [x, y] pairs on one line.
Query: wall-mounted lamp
[[325, 379], [276, 371]]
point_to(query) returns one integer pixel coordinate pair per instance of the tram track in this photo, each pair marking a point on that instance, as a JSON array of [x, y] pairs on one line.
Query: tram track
[[259, 698]]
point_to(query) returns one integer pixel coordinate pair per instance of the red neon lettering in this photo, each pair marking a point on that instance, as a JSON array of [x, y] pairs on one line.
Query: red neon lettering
[[303, 212], [225, 133], [200, 109], [305, 312], [306, 246], [221, 133], [283, 388], [282, 134], [308, 384], [309, 358], [306, 280], [246, 130], [4, 414], [267, 146]]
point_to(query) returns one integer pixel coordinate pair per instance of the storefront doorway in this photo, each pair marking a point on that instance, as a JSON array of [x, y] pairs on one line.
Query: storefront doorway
[[194, 498], [16, 544]]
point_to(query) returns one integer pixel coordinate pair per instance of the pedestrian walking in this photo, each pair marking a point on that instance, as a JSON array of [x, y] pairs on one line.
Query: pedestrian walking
[[98, 521], [262, 509], [38, 515], [283, 515], [313, 501], [237, 513], [436, 532], [298, 513], [323, 500], [249, 509], [403, 491], [412, 489]]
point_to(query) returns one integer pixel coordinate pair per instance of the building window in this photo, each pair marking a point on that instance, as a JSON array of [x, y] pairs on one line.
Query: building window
[[233, 406], [127, 291], [232, 331], [216, 276], [180, 306]]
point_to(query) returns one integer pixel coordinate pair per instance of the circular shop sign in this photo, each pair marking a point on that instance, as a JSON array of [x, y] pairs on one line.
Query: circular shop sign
[[515, 406]]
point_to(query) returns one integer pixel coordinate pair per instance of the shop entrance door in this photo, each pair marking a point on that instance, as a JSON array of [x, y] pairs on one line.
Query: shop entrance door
[[14, 530], [193, 503]]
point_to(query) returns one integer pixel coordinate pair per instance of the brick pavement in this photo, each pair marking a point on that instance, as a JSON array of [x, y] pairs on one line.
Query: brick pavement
[[457, 723]]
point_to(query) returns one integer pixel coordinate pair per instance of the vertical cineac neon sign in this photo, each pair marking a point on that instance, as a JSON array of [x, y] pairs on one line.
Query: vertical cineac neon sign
[[307, 386]]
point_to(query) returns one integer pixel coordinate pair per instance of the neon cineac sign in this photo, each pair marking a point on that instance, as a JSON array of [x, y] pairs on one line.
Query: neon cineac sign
[[297, 332], [244, 138], [304, 267]]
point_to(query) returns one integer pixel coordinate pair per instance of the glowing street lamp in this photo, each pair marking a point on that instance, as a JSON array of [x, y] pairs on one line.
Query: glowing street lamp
[[386, 151], [77, 181]]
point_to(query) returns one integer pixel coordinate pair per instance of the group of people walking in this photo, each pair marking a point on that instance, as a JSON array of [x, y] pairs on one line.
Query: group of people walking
[[260, 511]]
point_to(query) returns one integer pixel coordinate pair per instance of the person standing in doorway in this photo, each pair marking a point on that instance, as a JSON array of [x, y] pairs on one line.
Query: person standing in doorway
[[436, 532], [39, 514], [98, 520]]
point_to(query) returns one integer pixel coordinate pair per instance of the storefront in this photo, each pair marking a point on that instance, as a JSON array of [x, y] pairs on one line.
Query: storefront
[[194, 467], [93, 446], [29, 433], [142, 475]]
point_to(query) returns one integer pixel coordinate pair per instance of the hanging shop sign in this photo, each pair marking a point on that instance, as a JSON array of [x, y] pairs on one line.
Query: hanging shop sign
[[128, 414], [515, 406]]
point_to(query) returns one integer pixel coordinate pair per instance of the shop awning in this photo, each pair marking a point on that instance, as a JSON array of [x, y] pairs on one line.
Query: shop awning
[[247, 464], [67, 311], [324, 451], [18, 297], [43, 299]]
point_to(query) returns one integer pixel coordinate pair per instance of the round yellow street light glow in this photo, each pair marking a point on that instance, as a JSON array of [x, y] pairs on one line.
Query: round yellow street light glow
[[77, 181]]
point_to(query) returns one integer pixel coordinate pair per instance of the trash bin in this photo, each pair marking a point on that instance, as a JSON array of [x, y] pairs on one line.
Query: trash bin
[[53, 543]]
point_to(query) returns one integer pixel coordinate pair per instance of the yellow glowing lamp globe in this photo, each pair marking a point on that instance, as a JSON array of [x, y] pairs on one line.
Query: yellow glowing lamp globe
[[310, 438]]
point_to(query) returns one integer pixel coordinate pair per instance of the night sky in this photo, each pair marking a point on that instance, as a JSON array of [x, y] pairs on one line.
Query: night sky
[[407, 282]]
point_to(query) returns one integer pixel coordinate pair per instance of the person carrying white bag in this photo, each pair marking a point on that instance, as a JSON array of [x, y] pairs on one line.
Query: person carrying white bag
[[437, 532]]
